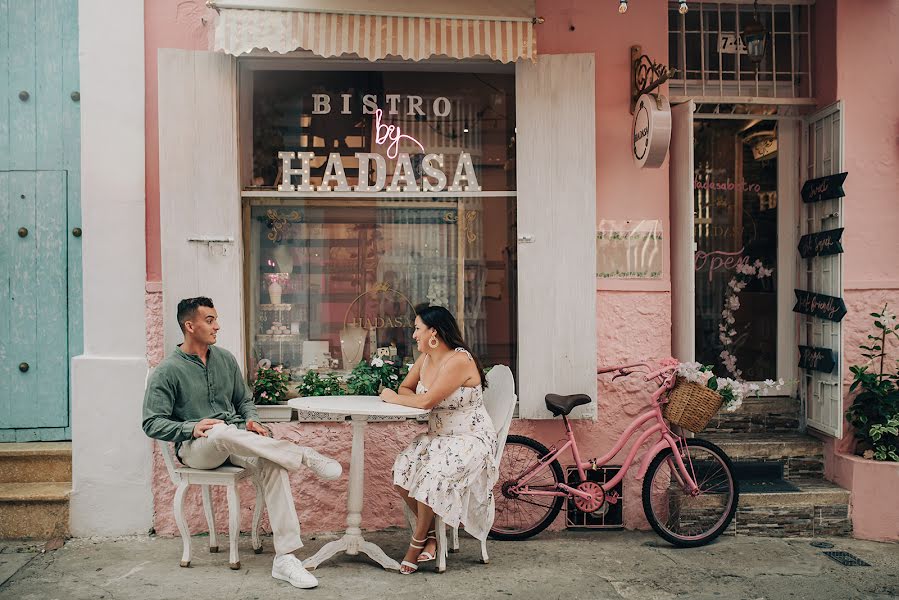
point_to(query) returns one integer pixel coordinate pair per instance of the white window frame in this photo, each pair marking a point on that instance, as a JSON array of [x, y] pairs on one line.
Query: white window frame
[[306, 61]]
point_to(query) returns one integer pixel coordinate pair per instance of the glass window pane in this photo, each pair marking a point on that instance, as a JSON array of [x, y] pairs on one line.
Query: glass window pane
[[332, 282], [333, 278], [735, 220]]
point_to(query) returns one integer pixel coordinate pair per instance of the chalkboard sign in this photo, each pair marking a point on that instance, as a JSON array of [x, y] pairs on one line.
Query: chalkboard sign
[[823, 188], [816, 359], [819, 305], [821, 244]]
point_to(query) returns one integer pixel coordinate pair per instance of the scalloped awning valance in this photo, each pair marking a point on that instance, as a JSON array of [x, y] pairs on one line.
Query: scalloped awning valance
[[502, 30]]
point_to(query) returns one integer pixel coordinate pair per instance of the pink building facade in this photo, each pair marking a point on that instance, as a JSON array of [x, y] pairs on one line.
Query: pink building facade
[[631, 308]]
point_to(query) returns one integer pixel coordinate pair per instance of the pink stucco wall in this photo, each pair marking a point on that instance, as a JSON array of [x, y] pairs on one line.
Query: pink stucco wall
[[871, 276]]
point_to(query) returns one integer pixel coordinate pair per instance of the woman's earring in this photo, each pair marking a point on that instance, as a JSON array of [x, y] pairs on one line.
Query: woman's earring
[[432, 342]]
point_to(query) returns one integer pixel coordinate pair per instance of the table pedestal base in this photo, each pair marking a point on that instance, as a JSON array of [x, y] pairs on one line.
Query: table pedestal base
[[352, 544]]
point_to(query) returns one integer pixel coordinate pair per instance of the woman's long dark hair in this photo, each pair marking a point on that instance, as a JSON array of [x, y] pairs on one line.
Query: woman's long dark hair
[[443, 321]]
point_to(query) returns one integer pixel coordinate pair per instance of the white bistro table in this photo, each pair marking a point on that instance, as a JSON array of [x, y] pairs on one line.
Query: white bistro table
[[358, 408]]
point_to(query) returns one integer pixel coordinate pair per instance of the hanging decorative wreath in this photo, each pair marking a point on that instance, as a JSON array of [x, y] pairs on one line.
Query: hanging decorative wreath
[[745, 273]]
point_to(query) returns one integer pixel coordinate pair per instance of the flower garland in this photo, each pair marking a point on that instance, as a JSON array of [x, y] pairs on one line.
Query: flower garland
[[726, 331]]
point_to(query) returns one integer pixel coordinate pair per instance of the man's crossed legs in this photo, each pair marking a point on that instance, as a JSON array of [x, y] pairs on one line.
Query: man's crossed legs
[[268, 461]]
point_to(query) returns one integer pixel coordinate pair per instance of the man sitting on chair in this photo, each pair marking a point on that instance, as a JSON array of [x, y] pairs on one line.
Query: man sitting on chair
[[198, 399]]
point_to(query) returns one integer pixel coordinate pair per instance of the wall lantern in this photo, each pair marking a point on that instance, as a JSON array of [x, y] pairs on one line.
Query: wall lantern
[[755, 37]]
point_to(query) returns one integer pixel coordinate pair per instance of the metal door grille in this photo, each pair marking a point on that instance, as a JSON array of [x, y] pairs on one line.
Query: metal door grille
[[704, 46]]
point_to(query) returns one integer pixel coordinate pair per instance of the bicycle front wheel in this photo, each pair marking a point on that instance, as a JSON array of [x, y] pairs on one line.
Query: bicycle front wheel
[[520, 516], [683, 518]]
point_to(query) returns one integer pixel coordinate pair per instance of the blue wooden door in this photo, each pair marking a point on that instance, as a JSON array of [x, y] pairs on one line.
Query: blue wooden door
[[40, 182], [34, 365]]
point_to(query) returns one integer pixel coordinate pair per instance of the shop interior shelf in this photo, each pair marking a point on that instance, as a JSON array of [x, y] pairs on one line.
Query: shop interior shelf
[[278, 337], [275, 307]]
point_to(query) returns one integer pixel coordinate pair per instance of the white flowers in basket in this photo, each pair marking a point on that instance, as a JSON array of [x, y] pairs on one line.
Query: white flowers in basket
[[732, 391]]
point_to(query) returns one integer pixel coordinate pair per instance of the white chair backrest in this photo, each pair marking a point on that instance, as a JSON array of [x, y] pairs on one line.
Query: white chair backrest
[[164, 447], [499, 400]]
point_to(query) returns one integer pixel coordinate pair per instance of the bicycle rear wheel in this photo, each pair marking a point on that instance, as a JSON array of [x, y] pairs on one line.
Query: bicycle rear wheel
[[684, 519], [519, 517]]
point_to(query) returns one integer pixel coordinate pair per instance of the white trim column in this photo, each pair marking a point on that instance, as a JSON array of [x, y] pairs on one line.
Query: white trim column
[[111, 457]]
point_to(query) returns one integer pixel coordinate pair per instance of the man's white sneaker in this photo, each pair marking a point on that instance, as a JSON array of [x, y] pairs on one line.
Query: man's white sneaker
[[288, 567], [321, 465]]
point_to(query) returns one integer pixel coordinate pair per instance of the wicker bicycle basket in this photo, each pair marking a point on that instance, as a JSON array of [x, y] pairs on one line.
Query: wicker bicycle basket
[[691, 405]]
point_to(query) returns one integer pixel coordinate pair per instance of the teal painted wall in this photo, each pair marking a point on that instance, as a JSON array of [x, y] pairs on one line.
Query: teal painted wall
[[40, 159]]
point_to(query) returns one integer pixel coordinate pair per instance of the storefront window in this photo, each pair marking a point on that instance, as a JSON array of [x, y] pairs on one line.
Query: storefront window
[[735, 221], [405, 196]]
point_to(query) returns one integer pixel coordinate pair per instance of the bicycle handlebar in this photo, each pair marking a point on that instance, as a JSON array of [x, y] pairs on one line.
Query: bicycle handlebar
[[604, 370], [624, 371]]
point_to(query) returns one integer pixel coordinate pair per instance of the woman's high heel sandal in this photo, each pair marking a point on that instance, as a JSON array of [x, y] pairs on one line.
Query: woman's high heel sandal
[[428, 556], [406, 567]]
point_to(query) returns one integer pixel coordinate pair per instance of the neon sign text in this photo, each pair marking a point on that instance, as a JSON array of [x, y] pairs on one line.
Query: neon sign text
[[392, 133], [719, 259]]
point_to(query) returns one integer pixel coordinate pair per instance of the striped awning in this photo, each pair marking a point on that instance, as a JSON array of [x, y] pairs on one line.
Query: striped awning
[[373, 36]]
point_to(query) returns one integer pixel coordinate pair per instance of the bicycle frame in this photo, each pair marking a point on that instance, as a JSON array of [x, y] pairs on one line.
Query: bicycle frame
[[666, 439]]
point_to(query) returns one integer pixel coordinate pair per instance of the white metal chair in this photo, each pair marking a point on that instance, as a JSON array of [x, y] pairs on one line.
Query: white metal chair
[[227, 475], [499, 400]]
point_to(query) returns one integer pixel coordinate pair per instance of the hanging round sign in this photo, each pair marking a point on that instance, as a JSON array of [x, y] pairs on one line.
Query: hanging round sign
[[652, 131]]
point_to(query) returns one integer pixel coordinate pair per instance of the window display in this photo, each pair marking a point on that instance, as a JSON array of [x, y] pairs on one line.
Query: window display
[[368, 194]]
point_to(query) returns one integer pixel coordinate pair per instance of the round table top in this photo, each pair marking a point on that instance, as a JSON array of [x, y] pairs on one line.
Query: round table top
[[371, 406]]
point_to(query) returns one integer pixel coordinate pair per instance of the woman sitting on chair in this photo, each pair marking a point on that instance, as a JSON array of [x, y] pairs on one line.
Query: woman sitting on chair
[[448, 471]]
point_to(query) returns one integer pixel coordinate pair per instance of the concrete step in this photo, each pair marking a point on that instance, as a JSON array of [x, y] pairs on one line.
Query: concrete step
[[819, 508], [36, 510], [758, 415], [35, 462], [802, 456]]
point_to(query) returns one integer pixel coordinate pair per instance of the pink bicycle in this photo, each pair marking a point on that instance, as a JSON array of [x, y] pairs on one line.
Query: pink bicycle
[[690, 493]]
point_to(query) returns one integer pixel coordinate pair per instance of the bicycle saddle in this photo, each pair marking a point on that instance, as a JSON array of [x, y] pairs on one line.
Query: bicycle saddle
[[562, 405]]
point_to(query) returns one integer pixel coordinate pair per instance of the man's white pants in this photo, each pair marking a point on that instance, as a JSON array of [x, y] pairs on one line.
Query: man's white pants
[[267, 460]]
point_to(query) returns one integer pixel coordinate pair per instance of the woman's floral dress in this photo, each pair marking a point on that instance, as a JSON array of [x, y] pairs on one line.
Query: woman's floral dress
[[450, 468]]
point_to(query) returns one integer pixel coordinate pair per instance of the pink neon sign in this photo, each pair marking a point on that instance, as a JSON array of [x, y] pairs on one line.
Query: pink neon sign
[[384, 133]]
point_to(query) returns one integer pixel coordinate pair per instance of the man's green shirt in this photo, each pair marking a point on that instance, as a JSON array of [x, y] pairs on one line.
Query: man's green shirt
[[183, 391]]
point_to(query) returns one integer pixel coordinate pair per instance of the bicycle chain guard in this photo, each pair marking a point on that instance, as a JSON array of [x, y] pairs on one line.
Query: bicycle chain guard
[[592, 504]]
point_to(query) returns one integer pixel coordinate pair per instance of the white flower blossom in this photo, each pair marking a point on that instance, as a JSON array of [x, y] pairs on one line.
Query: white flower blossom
[[745, 269], [377, 362]]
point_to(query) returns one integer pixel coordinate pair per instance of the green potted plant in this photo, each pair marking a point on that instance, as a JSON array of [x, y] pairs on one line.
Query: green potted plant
[[369, 378], [315, 384], [270, 393], [874, 414]]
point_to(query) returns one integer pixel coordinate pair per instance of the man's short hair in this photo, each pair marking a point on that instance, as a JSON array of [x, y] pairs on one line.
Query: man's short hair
[[187, 309]]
